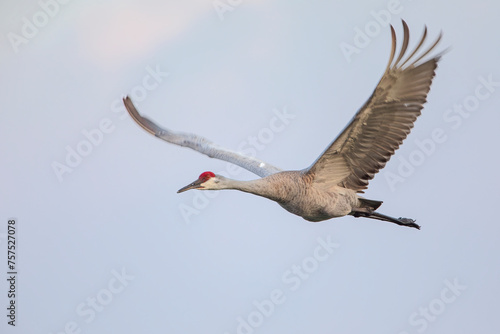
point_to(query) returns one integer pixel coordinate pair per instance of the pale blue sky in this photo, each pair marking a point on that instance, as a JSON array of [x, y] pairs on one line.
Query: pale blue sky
[[106, 245]]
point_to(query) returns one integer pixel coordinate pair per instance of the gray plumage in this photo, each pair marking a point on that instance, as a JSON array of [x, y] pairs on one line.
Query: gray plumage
[[200, 144], [329, 187]]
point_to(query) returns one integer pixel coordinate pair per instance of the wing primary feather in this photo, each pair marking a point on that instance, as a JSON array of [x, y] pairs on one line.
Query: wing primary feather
[[393, 47], [143, 122], [406, 40], [430, 49], [424, 35]]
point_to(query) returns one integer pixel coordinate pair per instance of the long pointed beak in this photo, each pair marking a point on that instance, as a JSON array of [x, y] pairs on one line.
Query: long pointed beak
[[195, 185]]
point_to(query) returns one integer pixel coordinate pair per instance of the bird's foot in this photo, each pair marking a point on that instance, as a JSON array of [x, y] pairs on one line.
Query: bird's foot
[[408, 222]]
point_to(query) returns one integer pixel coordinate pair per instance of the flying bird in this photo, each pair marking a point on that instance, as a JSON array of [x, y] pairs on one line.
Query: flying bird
[[330, 187]]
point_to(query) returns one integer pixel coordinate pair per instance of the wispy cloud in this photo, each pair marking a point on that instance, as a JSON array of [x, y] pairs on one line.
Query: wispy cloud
[[111, 38]]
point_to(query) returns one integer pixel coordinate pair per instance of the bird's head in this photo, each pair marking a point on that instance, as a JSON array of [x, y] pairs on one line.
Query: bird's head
[[206, 181]]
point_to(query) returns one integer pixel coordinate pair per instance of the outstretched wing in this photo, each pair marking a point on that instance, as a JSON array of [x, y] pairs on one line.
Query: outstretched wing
[[381, 125], [200, 144]]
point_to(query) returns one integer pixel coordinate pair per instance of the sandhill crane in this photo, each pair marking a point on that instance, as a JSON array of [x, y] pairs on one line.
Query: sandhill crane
[[329, 187]]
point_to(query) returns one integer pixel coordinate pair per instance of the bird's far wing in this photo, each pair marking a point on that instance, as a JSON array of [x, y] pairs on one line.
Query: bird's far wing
[[200, 144], [381, 125]]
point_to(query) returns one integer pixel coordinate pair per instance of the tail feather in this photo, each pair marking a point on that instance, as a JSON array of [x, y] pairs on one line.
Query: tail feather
[[370, 204]]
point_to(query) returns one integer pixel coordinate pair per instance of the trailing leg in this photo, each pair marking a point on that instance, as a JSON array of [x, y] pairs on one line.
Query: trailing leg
[[375, 215]]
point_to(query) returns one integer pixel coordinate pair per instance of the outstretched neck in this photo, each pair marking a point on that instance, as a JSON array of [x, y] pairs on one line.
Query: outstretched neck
[[260, 187]]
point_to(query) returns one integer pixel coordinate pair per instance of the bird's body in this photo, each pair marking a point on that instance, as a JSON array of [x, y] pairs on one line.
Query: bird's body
[[302, 198], [329, 187], [295, 191]]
